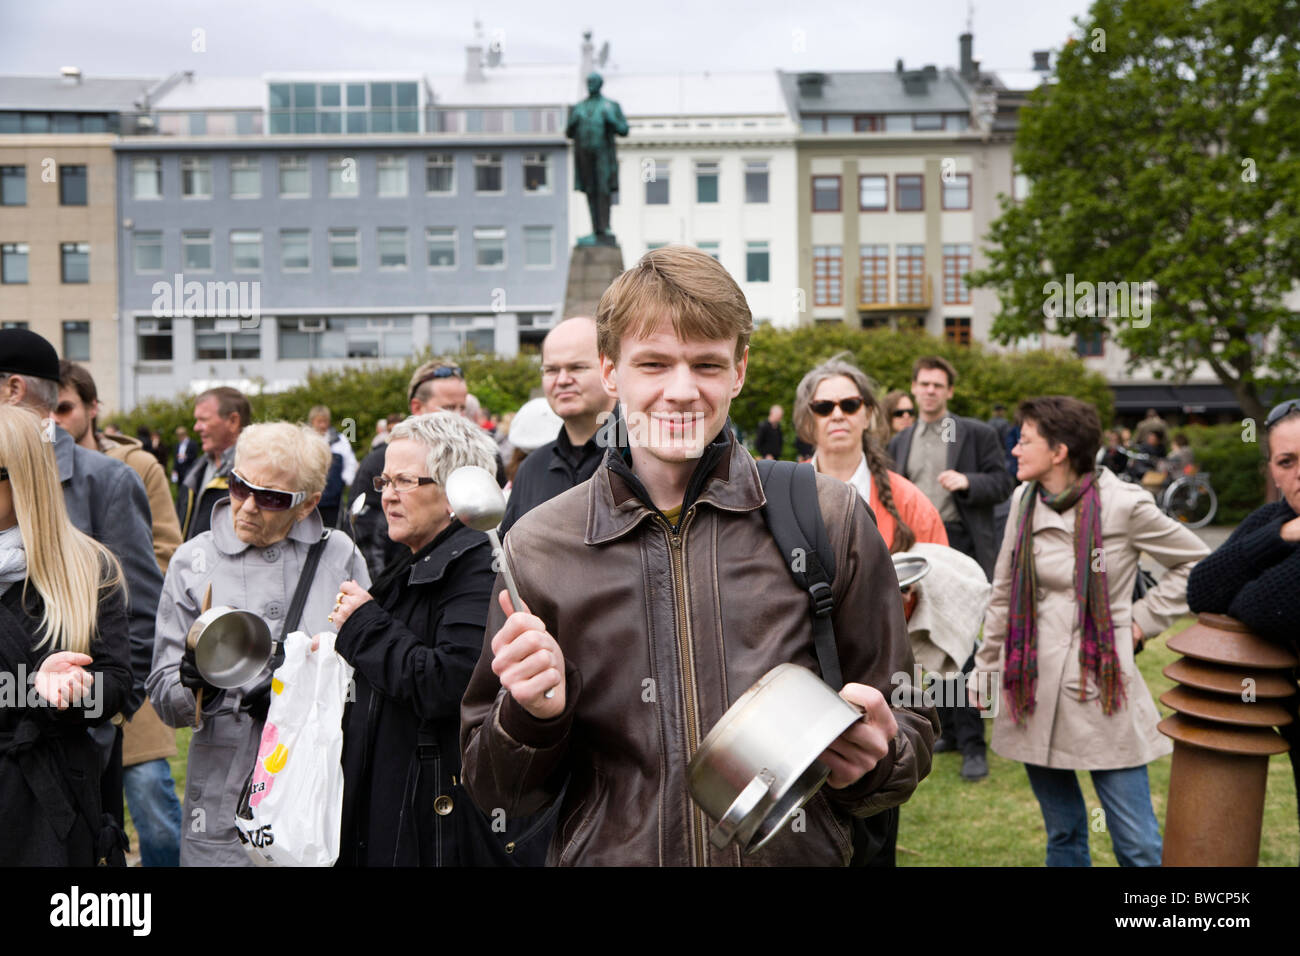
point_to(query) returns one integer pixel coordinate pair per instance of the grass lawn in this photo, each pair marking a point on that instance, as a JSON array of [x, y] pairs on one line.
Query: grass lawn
[[996, 821]]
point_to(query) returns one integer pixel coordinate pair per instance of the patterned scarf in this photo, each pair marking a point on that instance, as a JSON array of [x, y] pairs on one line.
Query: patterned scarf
[[1097, 655]]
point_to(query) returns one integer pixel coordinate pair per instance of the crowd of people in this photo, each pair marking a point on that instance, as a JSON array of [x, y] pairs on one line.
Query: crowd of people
[[651, 596]]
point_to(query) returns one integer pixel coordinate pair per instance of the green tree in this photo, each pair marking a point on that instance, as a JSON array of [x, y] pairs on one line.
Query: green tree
[[1164, 152]]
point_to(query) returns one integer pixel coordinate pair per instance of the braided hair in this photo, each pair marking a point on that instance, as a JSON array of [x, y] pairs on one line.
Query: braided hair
[[877, 459]]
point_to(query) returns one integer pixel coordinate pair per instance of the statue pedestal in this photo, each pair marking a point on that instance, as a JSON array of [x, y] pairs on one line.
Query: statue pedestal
[[591, 270]]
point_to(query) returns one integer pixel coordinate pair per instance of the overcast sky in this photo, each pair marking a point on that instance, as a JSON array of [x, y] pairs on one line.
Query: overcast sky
[[154, 37]]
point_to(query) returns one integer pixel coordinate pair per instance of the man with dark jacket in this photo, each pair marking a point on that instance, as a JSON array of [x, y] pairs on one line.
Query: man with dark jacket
[[768, 442], [220, 414], [187, 452], [957, 462], [571, 381], [655, 596]]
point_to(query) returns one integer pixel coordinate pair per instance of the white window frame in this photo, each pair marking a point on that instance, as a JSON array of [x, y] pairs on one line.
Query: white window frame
[[455, 251], [246, 164], [194, 165], [550, 235], [295, 269], [716, 172], [334, 163], [234, 267], [379, 249], [435, 160], [483, 160], [295, 162], [751, 167], [389, 162], [356, 238], [135, 252], [539, 159], [666, 179], [491, 232], [198, 237], [137, 164]]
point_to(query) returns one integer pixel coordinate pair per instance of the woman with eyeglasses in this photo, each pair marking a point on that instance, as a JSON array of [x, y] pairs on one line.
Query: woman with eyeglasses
[[899, 410], [64, 662], [1062, 629], [252, 559], [413, 638], [833, 411]]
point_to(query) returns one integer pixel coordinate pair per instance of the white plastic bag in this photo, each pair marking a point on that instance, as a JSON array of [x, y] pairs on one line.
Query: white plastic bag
[[295, 794]]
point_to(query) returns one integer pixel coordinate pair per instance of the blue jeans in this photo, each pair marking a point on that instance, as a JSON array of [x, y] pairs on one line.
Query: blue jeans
[[1125, 798], [151, 798]]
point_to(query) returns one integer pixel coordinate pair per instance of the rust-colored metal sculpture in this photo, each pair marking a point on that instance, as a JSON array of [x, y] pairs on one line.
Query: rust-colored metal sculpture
[[1231, 685]]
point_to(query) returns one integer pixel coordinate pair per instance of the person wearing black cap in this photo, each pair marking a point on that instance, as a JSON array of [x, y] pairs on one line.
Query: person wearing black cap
[[105, 500]]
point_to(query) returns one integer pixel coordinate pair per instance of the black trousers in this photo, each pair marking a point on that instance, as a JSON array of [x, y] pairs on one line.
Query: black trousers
[[961, 724]]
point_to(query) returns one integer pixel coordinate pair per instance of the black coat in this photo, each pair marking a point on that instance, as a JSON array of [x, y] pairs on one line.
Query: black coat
[[50, 812], [549, 471], [976, 452], [414, 648], [768, 441]]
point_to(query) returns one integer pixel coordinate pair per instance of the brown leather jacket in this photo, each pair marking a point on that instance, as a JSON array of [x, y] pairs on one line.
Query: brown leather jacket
[[661, 632]]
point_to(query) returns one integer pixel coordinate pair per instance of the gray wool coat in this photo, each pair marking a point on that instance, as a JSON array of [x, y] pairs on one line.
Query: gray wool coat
[[261, 580]]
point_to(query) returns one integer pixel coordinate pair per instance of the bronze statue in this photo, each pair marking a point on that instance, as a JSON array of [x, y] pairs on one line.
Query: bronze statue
[[592, 126]]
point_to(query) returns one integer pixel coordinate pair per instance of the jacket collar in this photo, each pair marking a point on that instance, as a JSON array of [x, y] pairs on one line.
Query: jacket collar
[[960, 434], [726, 478], [64, 454], [434, 564], [308, 530], [1045, 517]]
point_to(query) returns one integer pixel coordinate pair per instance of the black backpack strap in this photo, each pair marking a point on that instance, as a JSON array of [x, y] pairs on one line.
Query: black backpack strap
[[794, 516]]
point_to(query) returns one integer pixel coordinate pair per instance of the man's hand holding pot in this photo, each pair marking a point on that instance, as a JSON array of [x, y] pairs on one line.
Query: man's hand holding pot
[[856, 752]]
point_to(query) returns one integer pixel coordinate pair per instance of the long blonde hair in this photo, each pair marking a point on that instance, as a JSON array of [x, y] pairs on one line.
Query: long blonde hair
[[66, 567]]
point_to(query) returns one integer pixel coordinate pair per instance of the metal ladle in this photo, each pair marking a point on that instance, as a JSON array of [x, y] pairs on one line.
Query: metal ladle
[[476, 500]]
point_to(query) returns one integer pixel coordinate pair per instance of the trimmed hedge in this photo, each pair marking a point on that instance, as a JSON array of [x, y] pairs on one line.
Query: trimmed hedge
[[1236, 468]]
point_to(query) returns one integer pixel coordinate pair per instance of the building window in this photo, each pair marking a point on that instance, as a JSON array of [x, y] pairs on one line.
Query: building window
[[489, 248], [956, 122], [344, 108], [13, 185], [488, 173], [756, 261], [337, 337], [461, 333], [652, 246], [1090, 344], [146, 178], [392, 179], [826, 194], [343, 176], [656, 188], [712, 248], [392, 248], [756, 178], [873, 193], [295, 178], [539, 249], [148, 254], [866, 124], [956, 263], [927, 121], [196, 177], [875, 274], [75, 257], [245, 177], [440, 174], [898, 122], [13, 263], [956, 194], [72, 185], [537, 173], [295, 250], [828, 266], [909, 194], [345, 249], [153, 340], [706, 182], [76, 341], [223, 339], [246, 250], [442, 248], [196, 251], [911, 274], [956, 331]]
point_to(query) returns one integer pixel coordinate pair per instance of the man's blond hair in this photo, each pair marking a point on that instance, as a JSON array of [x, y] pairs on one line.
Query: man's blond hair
[[686, 286]]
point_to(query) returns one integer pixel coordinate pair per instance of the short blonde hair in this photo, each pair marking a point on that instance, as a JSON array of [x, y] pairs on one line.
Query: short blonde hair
[[453, 442], [297, 449], [686, 286]]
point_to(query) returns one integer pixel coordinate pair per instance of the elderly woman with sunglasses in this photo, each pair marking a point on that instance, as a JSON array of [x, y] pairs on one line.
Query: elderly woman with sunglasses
[[253, 559]]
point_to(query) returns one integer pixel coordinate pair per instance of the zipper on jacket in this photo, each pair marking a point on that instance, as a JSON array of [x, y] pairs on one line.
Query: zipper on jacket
[[676, 541]]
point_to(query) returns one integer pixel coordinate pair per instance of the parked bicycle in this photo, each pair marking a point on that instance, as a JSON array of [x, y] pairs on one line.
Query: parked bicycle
[[1187, 497]]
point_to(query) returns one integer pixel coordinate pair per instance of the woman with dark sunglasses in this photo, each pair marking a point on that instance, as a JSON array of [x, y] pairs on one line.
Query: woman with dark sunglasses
[[899, 411], [252, 559]]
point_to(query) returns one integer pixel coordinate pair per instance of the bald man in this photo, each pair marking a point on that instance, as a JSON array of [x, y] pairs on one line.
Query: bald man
[[571, 381]]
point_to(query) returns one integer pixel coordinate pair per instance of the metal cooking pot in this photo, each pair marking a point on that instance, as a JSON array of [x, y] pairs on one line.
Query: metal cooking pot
[[759, 764], [910, 568], [230, 646]]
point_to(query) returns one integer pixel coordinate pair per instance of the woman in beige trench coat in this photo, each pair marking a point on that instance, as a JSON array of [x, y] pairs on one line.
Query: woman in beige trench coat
[[1061, 630]]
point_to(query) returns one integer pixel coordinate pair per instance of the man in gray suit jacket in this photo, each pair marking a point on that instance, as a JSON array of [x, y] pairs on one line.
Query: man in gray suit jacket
[[959, 465]]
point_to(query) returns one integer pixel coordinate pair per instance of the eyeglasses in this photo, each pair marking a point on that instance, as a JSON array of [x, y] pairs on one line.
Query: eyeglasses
[[442, 371], [400, 483], [900, 412], [267, 499], [1280, 412], [847, 405]]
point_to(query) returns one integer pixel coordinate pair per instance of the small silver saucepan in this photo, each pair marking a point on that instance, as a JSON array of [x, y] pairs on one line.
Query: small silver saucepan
[[759, 764], [230, 646]]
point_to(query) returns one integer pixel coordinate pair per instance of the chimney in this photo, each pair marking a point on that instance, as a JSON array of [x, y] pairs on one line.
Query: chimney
[[474, 64], [1041, 61], [810, 84], [966, 41], [71, 76]]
